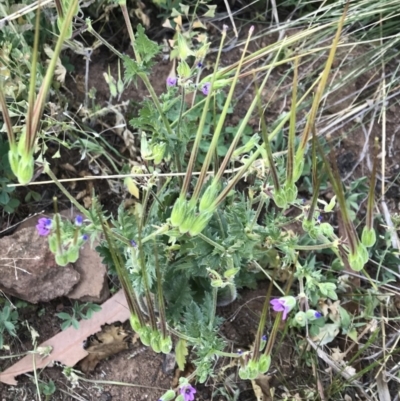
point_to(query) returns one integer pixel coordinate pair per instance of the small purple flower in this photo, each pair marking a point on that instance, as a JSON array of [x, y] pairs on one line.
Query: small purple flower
[[199, 64], [239, 352], [264, 337], [78, 220], [85, 237], [284, 304], [317, 315], [133, 243], [44, 226], [171, 81], [206, 88], [319, 219], [188, 392]]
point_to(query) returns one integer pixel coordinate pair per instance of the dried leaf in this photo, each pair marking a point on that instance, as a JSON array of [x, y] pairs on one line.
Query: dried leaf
[[111, 340], [60, 70], [67, 345]]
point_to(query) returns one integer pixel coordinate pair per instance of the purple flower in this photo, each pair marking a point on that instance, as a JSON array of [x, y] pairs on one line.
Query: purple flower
[[78, 220], [171, 81], [85, 237], [133, 243], [264, 337], [199, 64], [206, 88], [317, 315], [188, 392], [284, 304], [44, 226]]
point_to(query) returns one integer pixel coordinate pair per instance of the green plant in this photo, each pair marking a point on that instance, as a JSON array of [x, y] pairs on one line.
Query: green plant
[[84, 311], [47, 389], [8, 322]]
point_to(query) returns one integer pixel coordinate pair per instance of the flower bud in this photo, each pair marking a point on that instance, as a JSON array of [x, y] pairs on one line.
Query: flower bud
[[155, 341], [188, 221], [183, 69], [290, 192], [312, 315], [329, 207], [145, 335], [200, 223], [356, 261], [166, 345], [244, 373], [208, 198], [368, 237], [252, 368], [301, 319], [72, 254], [326, 229], [280, 199], [264, 363], [135, 323], [25, 169], [62, 259], [178, 212]]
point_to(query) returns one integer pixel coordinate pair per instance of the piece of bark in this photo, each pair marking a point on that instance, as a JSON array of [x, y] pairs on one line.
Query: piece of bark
[[67, 346]]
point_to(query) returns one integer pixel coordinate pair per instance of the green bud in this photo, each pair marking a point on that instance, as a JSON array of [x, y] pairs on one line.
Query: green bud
[[135, 323], [301, 319], [120, 86], [21, 147], [217, 283], [25, 169], [181, 397], [145, 335], [178, 212], [368, 237], [252, 368], [188, 221], [356, 261], [231, 272], [200, 223], [280, 199], [244, 373], [290, 192], [155, 341], [166, 345], [363, 252], [208, 198], [62, 259], [183, 69], [326, 229], [264, 363], [311, 315], [72, 254], [168, 396], [113, 88]]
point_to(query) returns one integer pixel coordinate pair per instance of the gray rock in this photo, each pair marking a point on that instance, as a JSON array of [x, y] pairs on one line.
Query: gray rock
[[28, 269], [41, 279]]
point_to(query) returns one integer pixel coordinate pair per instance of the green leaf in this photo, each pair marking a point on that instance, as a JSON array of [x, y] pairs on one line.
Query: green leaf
[[344, 318], [4, 197], [181, 352], [75, 324], [144, 46], [64, 316], [65, 325]]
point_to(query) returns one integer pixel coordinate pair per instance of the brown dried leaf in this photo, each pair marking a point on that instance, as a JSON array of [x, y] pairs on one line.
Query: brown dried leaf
[[111, 340], [67, 345]]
